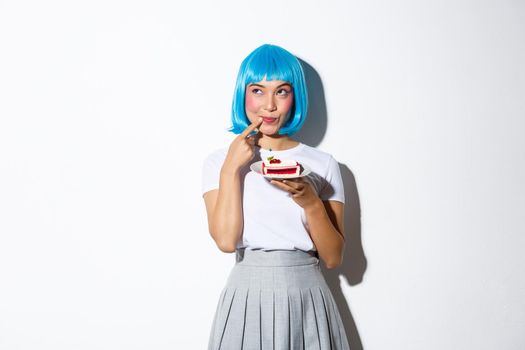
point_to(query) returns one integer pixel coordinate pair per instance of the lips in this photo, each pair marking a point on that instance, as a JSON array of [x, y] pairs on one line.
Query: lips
[[269, 120]]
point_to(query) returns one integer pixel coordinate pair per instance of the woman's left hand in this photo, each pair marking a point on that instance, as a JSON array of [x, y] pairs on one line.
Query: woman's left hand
[[300, 189]]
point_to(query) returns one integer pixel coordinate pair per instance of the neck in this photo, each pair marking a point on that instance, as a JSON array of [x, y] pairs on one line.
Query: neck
[[276, 142]]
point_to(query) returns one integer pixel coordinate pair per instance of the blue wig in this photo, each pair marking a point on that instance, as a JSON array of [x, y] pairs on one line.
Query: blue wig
[[270, 62]]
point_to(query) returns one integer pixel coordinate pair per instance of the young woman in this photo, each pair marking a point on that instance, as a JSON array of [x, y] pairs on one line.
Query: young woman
[[275, 296]]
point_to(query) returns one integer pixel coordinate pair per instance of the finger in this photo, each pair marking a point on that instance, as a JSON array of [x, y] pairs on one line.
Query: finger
[[283, 186], [250, 139], [254, 136], [298, 185], [296, 179], [251, 127], [257, 135]]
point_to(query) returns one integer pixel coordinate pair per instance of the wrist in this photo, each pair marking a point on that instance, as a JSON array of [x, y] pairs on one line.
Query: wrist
[[314, 207], [230, 170]]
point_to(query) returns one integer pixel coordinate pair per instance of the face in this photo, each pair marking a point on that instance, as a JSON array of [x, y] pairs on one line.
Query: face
[[271, 100]]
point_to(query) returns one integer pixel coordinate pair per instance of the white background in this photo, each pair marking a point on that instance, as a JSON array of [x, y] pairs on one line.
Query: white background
[[108, 109]]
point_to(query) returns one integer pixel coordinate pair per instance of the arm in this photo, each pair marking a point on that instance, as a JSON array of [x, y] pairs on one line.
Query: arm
[[325, 221], [224, 205], [324, 218], [224, 210]]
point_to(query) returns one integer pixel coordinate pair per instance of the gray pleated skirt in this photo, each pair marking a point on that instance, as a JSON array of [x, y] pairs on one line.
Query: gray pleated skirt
[[277, 300]]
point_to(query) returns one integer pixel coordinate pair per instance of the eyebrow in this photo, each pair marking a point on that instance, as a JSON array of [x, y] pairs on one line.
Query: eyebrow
[[254, 84]]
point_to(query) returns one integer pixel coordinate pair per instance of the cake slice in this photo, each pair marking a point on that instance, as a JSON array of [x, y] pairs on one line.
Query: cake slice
[[280, 167]]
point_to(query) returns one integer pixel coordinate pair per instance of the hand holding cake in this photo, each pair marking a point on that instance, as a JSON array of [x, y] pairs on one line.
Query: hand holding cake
[[301, 191], [287, 177]]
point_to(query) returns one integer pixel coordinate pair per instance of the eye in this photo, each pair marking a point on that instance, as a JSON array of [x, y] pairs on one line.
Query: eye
[[283, 92], [256, 91]]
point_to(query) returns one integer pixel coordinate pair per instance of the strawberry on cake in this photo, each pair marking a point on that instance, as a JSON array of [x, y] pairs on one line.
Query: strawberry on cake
[[280, 167]]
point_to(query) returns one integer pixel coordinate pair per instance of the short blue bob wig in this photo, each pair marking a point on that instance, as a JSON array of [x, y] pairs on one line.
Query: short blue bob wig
[[270, 62]]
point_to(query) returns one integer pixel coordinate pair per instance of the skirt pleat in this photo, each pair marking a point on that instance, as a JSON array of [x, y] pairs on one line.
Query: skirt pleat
[[296, 319], [281, 337], [337, 322], [312, 338], [252, 331], [276, 300], [267, 317]]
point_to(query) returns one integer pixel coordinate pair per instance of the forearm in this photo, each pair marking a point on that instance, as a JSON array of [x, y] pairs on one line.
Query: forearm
[[326, 237], [227, 222]]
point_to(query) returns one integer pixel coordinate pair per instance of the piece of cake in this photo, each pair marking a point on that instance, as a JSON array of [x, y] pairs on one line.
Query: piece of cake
[[280, 167]]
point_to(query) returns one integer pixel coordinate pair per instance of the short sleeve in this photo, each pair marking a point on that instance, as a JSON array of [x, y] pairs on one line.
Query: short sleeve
[[211, 171], [333, 188]]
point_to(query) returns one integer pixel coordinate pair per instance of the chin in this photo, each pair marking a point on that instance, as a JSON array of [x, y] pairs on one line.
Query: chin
[[269, 132]]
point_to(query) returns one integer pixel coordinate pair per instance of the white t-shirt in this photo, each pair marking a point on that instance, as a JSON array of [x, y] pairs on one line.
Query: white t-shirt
[[272, 219]]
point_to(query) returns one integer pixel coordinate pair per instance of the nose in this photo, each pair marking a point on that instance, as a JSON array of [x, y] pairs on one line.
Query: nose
[[270, 103]]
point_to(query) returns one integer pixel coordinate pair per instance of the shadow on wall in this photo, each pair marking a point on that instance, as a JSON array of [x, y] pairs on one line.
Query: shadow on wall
[[314, 128], [354, 262]]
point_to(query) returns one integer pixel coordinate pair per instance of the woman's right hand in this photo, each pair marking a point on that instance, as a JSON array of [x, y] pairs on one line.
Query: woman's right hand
[[241, 149]]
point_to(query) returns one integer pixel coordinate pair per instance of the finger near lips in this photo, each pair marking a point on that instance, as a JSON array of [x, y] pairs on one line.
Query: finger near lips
[[251, 128], [252, 136]]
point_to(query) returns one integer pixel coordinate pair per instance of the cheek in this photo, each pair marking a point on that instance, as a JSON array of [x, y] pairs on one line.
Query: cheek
[[251, 104], [287, 104]]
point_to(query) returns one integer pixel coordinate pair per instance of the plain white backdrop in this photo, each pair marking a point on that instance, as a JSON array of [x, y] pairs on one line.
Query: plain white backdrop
[[108, 109]]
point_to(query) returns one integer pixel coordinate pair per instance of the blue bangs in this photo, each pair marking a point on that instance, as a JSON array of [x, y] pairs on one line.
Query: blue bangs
[[270, 62]]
